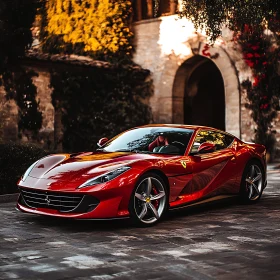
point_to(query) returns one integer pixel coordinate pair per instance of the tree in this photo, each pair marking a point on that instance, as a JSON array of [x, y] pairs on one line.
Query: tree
[[212, 14], [16, 19]]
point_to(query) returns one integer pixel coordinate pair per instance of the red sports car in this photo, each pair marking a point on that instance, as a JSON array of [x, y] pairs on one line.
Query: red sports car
[[143, 172]]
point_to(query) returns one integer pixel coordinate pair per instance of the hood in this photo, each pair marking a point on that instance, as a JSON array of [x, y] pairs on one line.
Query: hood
[[67, 167]]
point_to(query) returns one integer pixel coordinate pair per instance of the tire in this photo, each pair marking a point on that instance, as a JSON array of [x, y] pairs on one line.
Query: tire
[[252, 183], [149, 200]]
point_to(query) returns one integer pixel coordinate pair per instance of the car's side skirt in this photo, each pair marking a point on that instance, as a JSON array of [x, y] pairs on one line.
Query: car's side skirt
[[204, 201]]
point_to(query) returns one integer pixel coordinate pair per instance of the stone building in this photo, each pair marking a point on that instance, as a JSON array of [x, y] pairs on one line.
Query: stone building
[[194, 83]]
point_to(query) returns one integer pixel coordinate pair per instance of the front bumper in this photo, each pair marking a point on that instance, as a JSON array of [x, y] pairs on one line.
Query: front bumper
[[102, 203]]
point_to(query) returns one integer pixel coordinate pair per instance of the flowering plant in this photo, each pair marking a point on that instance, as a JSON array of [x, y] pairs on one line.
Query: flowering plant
[[261, 53]]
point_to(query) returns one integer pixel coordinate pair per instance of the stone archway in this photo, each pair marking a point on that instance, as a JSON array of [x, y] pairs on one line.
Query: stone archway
[[218, 59], [198, 93], [163, 45]]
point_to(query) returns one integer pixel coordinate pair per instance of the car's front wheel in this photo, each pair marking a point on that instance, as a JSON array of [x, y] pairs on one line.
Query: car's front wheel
[[252, 182], [149, 200]]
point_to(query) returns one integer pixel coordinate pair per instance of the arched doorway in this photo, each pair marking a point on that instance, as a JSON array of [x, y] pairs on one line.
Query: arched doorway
[[199, 87]]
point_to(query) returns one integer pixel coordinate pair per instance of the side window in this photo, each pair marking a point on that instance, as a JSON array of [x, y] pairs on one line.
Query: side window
[[220, 139], [201, 137]]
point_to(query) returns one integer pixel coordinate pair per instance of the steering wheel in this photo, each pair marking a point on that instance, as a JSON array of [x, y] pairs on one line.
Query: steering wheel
[[181, 145]]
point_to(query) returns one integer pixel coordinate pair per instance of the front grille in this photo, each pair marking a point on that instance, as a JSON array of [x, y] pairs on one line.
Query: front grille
[[63, 202]]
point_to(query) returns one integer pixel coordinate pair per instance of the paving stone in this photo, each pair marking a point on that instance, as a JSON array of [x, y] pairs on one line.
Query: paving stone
[[224, 241]]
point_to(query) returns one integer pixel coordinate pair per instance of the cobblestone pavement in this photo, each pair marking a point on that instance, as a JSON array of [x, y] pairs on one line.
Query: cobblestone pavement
[[225, 241]]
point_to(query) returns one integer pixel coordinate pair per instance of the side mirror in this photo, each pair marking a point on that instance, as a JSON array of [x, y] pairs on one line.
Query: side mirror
[[206, 147], [102, 141]]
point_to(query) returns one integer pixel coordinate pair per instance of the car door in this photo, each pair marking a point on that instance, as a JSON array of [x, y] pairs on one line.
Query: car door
[[213, 171]]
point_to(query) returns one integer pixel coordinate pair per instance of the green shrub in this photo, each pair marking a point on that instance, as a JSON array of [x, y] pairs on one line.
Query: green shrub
[[14, 161]]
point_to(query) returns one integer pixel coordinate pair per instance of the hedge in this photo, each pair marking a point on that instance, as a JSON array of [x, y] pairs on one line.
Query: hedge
[[14, 161]]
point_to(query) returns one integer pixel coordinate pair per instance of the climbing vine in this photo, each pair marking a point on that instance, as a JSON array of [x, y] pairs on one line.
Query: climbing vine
[[97, 28]]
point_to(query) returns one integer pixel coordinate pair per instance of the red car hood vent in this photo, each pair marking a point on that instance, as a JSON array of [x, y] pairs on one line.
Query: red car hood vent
[[85, 165]]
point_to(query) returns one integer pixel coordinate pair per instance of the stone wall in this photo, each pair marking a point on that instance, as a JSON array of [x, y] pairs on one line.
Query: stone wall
[[9, 113], [8, 119], [163, 45]]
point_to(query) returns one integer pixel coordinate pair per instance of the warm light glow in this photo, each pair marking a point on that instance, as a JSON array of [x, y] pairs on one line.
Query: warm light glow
[[177, 35], [174, 35]]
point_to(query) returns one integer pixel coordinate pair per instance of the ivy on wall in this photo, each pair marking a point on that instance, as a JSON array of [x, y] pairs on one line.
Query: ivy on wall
[[91, 27], [99, 102]]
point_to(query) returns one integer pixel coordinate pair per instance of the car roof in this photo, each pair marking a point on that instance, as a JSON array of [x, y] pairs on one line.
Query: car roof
[[193, 127]]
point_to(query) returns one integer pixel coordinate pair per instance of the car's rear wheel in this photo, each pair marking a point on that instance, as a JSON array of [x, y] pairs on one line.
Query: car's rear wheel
[[149, 200], [252, 182]]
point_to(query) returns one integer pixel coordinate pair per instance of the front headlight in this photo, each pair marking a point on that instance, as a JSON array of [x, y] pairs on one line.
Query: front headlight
[[105, 177], [28, 171]]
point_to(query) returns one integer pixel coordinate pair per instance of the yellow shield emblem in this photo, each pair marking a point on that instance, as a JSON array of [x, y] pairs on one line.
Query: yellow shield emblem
[[184, 164]]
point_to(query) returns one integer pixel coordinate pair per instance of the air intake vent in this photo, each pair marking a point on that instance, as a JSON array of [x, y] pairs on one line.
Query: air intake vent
[[63, 202]]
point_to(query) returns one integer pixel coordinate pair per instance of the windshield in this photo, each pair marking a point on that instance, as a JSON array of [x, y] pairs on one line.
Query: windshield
[[163, 140]]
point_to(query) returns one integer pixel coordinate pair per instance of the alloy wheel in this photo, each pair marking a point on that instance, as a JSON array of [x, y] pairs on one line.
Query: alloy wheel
[[149, 200], [254, 182]]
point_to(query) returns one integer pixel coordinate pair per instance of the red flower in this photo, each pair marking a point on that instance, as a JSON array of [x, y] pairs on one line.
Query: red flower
[[256, 81], [248, 55], [264, 106], [249, 63]]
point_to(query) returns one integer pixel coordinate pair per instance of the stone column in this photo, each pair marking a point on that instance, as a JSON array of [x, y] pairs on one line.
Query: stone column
[[150, 9], [58, 133], [139, 9]]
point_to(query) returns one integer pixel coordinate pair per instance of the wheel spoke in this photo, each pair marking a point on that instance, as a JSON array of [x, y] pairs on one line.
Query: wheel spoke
[[143, 212], [252, 171], [154, 210], [256, 188], [140, 196], [149, 186], [257, 178], [250, 191], [158, 196]]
